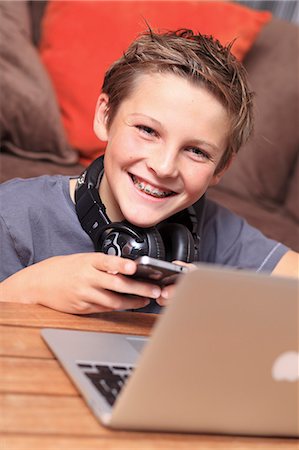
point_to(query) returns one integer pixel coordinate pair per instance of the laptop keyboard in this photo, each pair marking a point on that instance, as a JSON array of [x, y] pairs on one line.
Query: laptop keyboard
[[108, 379]]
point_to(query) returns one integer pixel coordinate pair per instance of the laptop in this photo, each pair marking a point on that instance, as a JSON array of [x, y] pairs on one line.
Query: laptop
[[222, 358]]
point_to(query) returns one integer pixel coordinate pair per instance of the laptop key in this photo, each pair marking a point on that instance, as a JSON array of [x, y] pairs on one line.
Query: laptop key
[[103, 388], [108, 380]]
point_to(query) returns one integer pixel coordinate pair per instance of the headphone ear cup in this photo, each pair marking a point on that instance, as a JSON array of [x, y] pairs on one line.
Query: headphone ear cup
[[178, 242], [156, 247], [123, 239]]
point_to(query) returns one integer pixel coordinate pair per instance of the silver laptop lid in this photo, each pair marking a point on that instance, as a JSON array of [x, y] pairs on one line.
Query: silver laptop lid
[[223, 358]]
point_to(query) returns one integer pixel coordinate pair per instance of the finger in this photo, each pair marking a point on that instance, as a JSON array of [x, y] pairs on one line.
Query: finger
[[113, 264], [110, 300], [166, 295], [84, 307], [125, 285], [93, 308], [184, 264], [114, 301]]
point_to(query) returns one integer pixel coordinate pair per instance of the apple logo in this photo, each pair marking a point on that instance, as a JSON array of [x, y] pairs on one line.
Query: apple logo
[[286, 367]]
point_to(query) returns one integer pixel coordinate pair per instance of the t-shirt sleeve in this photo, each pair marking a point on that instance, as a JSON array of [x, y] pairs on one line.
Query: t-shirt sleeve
[[229, 240], [9, 258]]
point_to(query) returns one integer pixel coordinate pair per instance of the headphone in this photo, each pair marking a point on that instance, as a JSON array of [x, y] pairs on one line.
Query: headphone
[[176, 238]]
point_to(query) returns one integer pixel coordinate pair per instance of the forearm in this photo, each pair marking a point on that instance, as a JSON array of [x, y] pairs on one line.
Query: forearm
[[288, 265], [19, 287]]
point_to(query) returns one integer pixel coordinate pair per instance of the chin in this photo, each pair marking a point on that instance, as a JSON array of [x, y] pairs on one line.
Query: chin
[[143, 224], [145, 218], [142, 220]]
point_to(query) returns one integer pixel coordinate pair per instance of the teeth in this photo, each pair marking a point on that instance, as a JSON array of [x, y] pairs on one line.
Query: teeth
[[155, 192]]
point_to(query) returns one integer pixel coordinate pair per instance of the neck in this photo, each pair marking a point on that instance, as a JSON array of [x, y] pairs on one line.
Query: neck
[[112, 209], [72, 187]]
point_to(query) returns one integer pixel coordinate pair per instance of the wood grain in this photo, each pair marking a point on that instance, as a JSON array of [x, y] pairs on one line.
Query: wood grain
[[62, 423], [24, 315], [34, 376], [47, 414], [20, 341], [150, 442]]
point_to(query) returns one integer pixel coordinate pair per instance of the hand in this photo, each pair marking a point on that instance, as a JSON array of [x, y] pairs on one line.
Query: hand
[[167, 291], [80, 284]]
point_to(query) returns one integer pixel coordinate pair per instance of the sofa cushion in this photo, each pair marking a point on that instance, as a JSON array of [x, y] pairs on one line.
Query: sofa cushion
[[30, 121], [266, 164], [81, 39], [13, 166]]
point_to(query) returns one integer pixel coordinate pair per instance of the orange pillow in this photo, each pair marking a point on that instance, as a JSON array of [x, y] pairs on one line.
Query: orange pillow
[[81, 39]]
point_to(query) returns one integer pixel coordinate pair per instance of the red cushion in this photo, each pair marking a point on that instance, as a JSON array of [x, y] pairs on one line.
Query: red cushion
[[81, 39]]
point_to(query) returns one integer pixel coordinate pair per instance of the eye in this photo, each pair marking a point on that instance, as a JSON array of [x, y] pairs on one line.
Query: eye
[[148, 131], [198, 153]]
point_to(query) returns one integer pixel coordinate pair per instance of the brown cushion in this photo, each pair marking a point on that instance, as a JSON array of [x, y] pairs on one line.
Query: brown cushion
[[263, 167], [30, 122], [13, 166]]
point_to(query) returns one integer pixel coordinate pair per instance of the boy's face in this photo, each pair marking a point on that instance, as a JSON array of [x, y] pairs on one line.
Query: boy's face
[[164, 145]]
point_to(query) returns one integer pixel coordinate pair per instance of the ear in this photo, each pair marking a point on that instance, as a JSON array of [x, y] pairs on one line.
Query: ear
[[217, 176], [100, 118]]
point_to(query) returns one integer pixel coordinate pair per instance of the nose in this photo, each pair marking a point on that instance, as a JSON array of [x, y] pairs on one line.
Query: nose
[[164, 162]]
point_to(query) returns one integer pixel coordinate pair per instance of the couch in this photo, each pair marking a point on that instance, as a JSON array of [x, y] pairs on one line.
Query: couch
[[262, 185]]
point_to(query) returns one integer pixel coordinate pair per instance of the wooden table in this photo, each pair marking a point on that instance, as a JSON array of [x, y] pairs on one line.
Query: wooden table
[[41, 409]]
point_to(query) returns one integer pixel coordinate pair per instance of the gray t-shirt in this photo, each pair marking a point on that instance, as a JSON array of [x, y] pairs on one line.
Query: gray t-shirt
[[39, 220]]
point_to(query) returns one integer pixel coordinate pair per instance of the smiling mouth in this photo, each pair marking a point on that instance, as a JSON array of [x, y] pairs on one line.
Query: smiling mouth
[[154, 191]]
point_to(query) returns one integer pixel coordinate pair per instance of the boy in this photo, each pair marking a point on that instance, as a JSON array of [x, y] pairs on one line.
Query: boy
[[174, 111]]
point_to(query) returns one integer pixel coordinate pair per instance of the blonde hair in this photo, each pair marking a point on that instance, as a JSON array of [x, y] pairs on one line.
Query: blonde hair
[[198, 58]]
